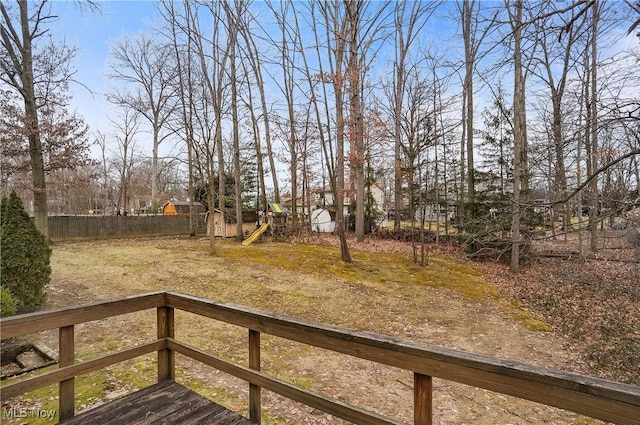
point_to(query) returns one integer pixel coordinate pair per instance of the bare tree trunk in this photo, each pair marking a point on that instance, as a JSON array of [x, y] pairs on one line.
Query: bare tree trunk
[[221, 172], [356, 133], [127, 128], [213, 78], [407, 26], [324, 133], [186, 96], [470, 50], [463, 176], [579, 181], [101, 141], [334, 40], [287, 60], [553, 50], [437, 110], [254, 59], [289, 84], [519, 133], [261, 201], [398, 103], [339, 189], [593, 127], [21, 64], [338, 52], [233, 19], [146, 63]]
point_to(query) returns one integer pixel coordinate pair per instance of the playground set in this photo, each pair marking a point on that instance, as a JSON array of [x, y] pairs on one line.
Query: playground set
[[274, 223]]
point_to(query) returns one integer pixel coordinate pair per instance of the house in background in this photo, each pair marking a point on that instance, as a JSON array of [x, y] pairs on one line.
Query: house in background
[[302, 210], [323, 200], [324, 197], [141, 204], [182, 208]]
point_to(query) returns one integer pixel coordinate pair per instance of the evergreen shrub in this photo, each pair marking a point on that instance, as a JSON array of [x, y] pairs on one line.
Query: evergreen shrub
[[26, 269]]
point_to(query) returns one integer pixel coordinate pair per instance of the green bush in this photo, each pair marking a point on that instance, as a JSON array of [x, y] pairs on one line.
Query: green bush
[[25, 253], [8, 305]]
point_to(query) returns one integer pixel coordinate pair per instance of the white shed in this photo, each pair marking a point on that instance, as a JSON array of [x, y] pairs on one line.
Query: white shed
[[321, 221]]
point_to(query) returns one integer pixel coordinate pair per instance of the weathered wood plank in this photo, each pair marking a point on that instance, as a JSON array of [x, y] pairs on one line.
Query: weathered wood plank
[[334, 407], [422, 399], [25, 324], [166, 402], [594, 397], [196, 412], [601, 399], [66, 388], [67, 372], [165, 329], [255, 405]]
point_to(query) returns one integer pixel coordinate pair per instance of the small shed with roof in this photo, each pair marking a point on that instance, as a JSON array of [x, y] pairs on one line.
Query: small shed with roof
[[224, 223], [182, 208]]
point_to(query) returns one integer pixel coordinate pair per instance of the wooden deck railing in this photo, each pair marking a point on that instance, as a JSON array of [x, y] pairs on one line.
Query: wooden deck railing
[[601, 399]]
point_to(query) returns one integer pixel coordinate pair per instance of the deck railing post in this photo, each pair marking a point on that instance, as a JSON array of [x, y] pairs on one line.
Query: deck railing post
[[66, 388], [166, 357], [422, 399], [255, 408]]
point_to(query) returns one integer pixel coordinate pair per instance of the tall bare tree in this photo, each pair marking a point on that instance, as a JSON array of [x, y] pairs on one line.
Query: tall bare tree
[[21, 33], [255, 58], [355, 74], [364, 22], [102, 141], [319, 108], [126, 153], [261, 198], [206, 87], [287, 48], [473, 36], [148, 66], [591, 132], [233, 13], [519, 128], [409, 19], [335, 38], [183, 60], [557, 59]]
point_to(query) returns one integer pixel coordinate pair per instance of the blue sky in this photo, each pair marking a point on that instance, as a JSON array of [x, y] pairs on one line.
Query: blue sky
[[91, 33]]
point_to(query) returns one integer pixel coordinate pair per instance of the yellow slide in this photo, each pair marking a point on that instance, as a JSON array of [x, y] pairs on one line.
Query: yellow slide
[[255, 235]]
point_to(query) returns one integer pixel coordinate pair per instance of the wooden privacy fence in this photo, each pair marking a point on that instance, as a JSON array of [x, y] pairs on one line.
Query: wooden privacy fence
[[601, 399], [80, 227]]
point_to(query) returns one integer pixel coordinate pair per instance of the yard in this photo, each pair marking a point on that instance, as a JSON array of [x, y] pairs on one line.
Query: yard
[[451, 302]]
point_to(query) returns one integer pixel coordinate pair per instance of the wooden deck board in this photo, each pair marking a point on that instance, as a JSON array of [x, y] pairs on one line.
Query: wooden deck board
[[166, 402]]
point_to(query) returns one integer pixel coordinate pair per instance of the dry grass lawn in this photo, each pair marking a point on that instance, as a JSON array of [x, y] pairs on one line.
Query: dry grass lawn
[[448, 303]]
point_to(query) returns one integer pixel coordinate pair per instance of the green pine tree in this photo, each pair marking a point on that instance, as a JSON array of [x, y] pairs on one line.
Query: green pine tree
[[25, 253]]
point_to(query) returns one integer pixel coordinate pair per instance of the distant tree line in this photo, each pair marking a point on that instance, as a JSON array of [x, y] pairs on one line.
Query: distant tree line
[[467, 110]]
